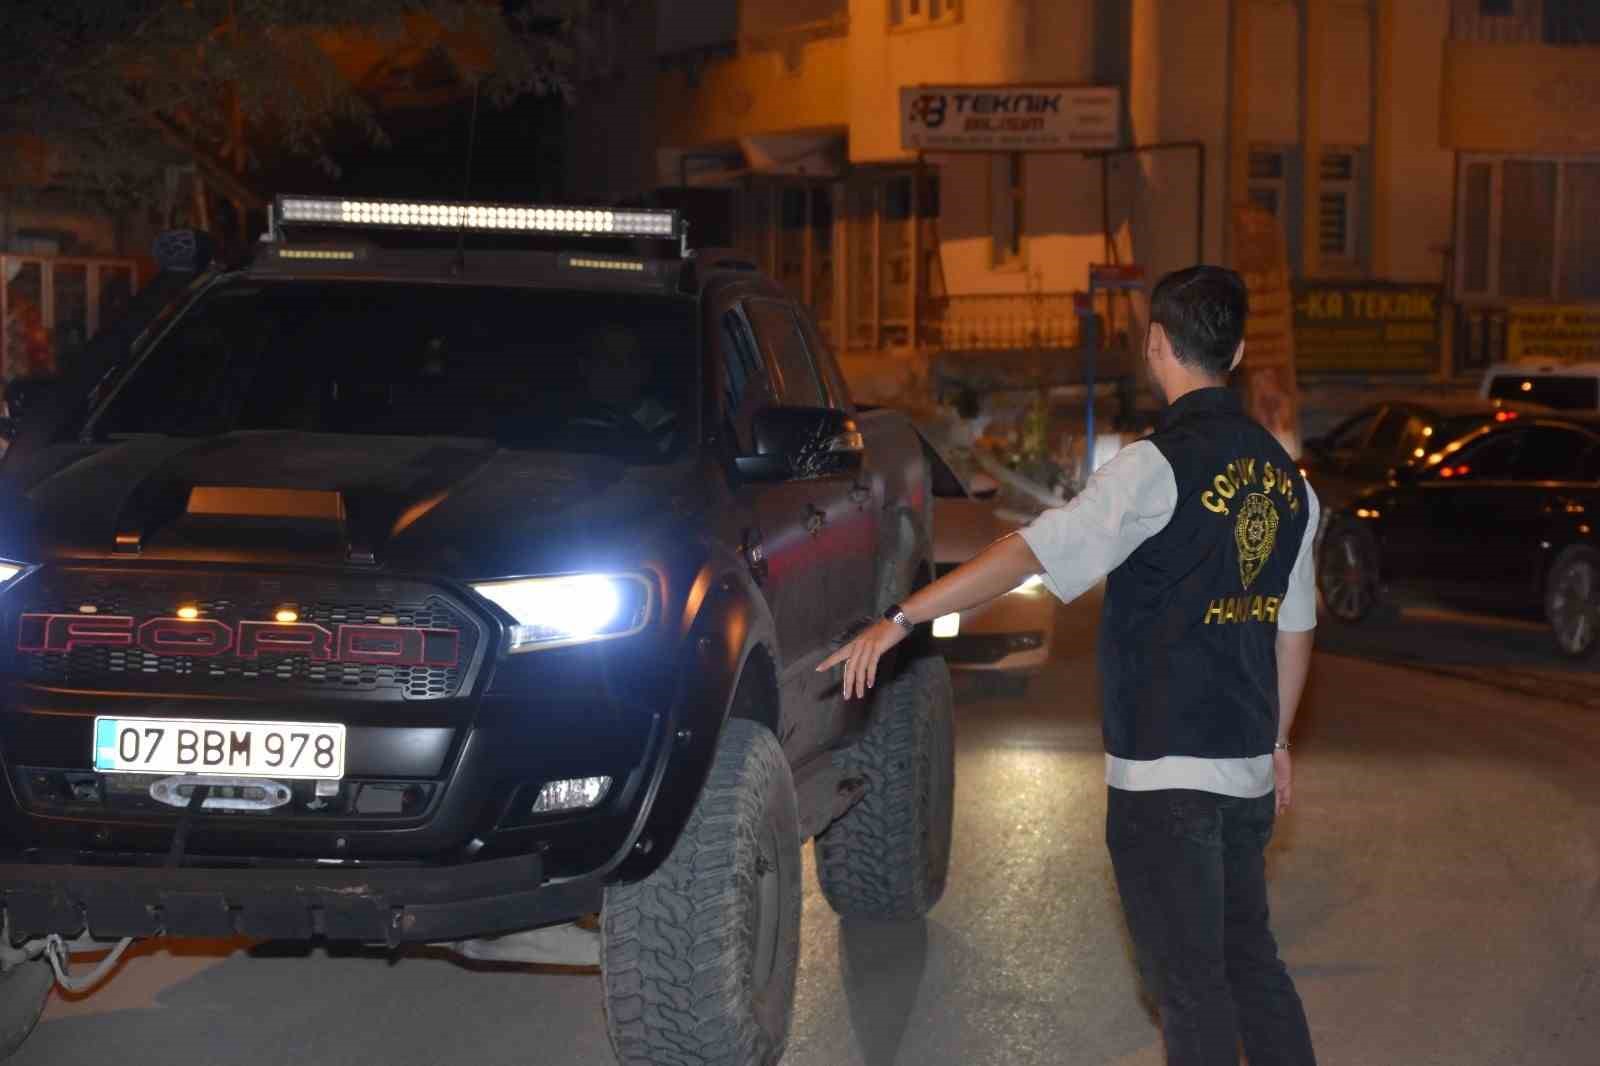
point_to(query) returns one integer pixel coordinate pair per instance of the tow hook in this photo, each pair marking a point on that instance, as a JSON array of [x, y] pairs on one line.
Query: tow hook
[[225, 793]]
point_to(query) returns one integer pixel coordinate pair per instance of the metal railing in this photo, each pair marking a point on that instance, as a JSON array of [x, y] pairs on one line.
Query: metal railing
[[1555, 22], [1000, 322]]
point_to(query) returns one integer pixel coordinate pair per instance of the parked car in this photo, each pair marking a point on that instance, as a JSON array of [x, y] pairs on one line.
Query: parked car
[[1502, 517], [393, 590], [1565, 386], [1007, 640], [1367, 447]]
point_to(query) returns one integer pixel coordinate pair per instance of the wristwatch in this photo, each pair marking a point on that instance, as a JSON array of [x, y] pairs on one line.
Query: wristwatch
[[1280, 745], [897, 615]]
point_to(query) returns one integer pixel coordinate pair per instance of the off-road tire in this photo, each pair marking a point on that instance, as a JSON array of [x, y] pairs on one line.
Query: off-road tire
[[1572, 601], [889, 855], [679, 950], [23, 991]]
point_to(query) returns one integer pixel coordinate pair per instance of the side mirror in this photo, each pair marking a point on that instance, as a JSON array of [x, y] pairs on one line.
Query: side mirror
[[802, 442], [983, 487]]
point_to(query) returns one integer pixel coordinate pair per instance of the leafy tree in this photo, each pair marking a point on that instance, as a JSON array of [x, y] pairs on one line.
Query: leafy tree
[[101, 96]]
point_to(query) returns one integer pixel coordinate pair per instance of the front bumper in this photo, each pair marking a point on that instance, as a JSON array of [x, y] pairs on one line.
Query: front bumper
[[371, 905], [1011, 633]]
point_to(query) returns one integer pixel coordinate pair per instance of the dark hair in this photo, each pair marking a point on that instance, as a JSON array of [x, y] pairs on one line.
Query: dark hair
[[1202, 309]]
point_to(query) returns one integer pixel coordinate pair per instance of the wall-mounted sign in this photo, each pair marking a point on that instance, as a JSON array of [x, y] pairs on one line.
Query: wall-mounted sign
[[1120, 276], [1009, 118], [1558, 334], [1366, 326]]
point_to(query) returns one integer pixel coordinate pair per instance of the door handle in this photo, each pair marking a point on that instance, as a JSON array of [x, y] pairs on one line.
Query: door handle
[[755, 556], [815, 519]]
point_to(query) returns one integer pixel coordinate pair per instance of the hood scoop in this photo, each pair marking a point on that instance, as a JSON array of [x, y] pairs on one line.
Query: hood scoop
[[232, 501], [240, 516]]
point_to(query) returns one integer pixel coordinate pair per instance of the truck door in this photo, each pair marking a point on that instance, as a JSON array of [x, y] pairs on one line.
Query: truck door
[[786, 536], [847, 503]]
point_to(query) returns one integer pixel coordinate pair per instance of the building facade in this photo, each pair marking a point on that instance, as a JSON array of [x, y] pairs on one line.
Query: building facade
[[1434, 165]]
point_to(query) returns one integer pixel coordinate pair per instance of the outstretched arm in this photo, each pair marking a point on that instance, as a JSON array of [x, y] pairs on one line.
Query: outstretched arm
[[1127, 501], [998, 569]]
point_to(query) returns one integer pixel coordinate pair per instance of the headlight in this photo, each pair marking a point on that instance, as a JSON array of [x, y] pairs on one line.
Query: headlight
[[9, 571], [1034, 581], [550, 612]]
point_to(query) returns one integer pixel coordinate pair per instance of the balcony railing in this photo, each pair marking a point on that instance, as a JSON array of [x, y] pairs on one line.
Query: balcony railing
[[1553, 22], [1000, 322]]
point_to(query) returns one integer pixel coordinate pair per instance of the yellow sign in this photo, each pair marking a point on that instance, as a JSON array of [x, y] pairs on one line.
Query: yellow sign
[[1366, 325], [1560, 334], [1266, 378]]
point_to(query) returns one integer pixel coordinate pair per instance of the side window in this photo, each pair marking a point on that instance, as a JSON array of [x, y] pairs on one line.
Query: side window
[[1391, 432], [745, 385], [1353, 434], [1550, 453], [778, 333], [1492, 458], [827, 365]]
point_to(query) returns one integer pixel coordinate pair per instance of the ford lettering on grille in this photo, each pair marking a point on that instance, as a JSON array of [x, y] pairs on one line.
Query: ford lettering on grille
[[381, 645]]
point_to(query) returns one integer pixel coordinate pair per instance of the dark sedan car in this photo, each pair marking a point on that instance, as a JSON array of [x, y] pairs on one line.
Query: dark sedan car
[[1364, 448], [1502, 516]]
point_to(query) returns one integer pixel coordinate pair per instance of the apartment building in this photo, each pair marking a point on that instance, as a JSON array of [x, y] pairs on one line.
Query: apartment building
[[1434, 165]]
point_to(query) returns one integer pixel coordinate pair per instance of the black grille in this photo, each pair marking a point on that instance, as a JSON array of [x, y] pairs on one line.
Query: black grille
[[328, 602]]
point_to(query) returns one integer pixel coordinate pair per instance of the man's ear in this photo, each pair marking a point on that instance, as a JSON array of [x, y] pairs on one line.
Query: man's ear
[[1238, 357]]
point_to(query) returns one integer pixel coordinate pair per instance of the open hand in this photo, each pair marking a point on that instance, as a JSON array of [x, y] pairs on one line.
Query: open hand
[[861, 655]]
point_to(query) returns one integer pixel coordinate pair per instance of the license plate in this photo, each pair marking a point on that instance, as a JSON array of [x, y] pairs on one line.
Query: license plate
[[198, 746]]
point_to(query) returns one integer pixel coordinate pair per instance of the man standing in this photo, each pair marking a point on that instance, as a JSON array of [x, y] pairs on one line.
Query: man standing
[[1203, 531]]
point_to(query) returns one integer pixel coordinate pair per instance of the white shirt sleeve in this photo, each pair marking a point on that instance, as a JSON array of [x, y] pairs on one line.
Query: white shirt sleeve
[[1125, 503], [1298, 612]]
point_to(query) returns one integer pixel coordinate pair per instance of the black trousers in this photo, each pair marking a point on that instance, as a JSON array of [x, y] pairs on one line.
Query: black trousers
[[1191, 871]]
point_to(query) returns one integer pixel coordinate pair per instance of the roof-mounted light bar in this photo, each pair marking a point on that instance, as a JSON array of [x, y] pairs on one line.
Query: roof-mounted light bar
[[354, 213]]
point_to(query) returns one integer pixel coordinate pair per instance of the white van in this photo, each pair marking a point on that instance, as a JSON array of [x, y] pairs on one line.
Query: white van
[[1567, 386]]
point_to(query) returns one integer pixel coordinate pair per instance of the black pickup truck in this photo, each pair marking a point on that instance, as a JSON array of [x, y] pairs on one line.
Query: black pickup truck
[[458, 574]]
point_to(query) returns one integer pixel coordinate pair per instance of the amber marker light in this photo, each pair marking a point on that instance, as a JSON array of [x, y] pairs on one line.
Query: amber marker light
[[287, 615], [188, 614]]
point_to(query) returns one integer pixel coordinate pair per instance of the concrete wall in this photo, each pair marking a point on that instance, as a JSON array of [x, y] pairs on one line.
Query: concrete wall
[[1521, 97], [759, 92], [1414, 192], [1274, 62]]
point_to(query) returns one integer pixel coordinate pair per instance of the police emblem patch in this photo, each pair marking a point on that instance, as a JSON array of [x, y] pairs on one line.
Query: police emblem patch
[[1255, 532]]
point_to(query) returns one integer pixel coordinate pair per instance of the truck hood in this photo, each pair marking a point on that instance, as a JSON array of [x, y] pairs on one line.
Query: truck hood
[[450, 506]]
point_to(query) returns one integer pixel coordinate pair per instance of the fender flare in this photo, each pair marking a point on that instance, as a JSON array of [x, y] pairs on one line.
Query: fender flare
[[728, 642]]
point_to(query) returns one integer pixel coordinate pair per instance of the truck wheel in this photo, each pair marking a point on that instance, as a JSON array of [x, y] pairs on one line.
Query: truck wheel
[[699, 958], [1572, 600], [23, 991], [889, 855]]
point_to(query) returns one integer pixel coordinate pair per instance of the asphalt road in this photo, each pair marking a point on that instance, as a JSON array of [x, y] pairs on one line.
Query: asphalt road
[[1436, 894]]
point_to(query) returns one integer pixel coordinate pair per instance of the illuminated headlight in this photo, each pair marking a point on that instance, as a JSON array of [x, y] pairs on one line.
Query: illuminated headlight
[[9, 571], [1034, 581], [550, 612], [947, 625], [526, 218], [578, 794]]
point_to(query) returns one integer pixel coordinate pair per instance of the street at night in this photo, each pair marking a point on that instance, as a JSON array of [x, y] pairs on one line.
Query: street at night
[[1436, 891]]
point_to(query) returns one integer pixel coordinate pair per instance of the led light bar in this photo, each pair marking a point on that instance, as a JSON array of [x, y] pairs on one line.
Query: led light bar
[[479, 218]]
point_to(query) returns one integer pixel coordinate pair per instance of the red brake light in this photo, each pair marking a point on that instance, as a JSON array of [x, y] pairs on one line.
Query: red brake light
[[1504, 416]]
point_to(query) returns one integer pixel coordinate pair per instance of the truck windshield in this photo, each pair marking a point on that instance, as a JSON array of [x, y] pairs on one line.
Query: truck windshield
[[610, 373], [1568, 392]]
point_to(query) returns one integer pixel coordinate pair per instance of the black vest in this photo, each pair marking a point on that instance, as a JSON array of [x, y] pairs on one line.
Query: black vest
[[1188, 658]]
